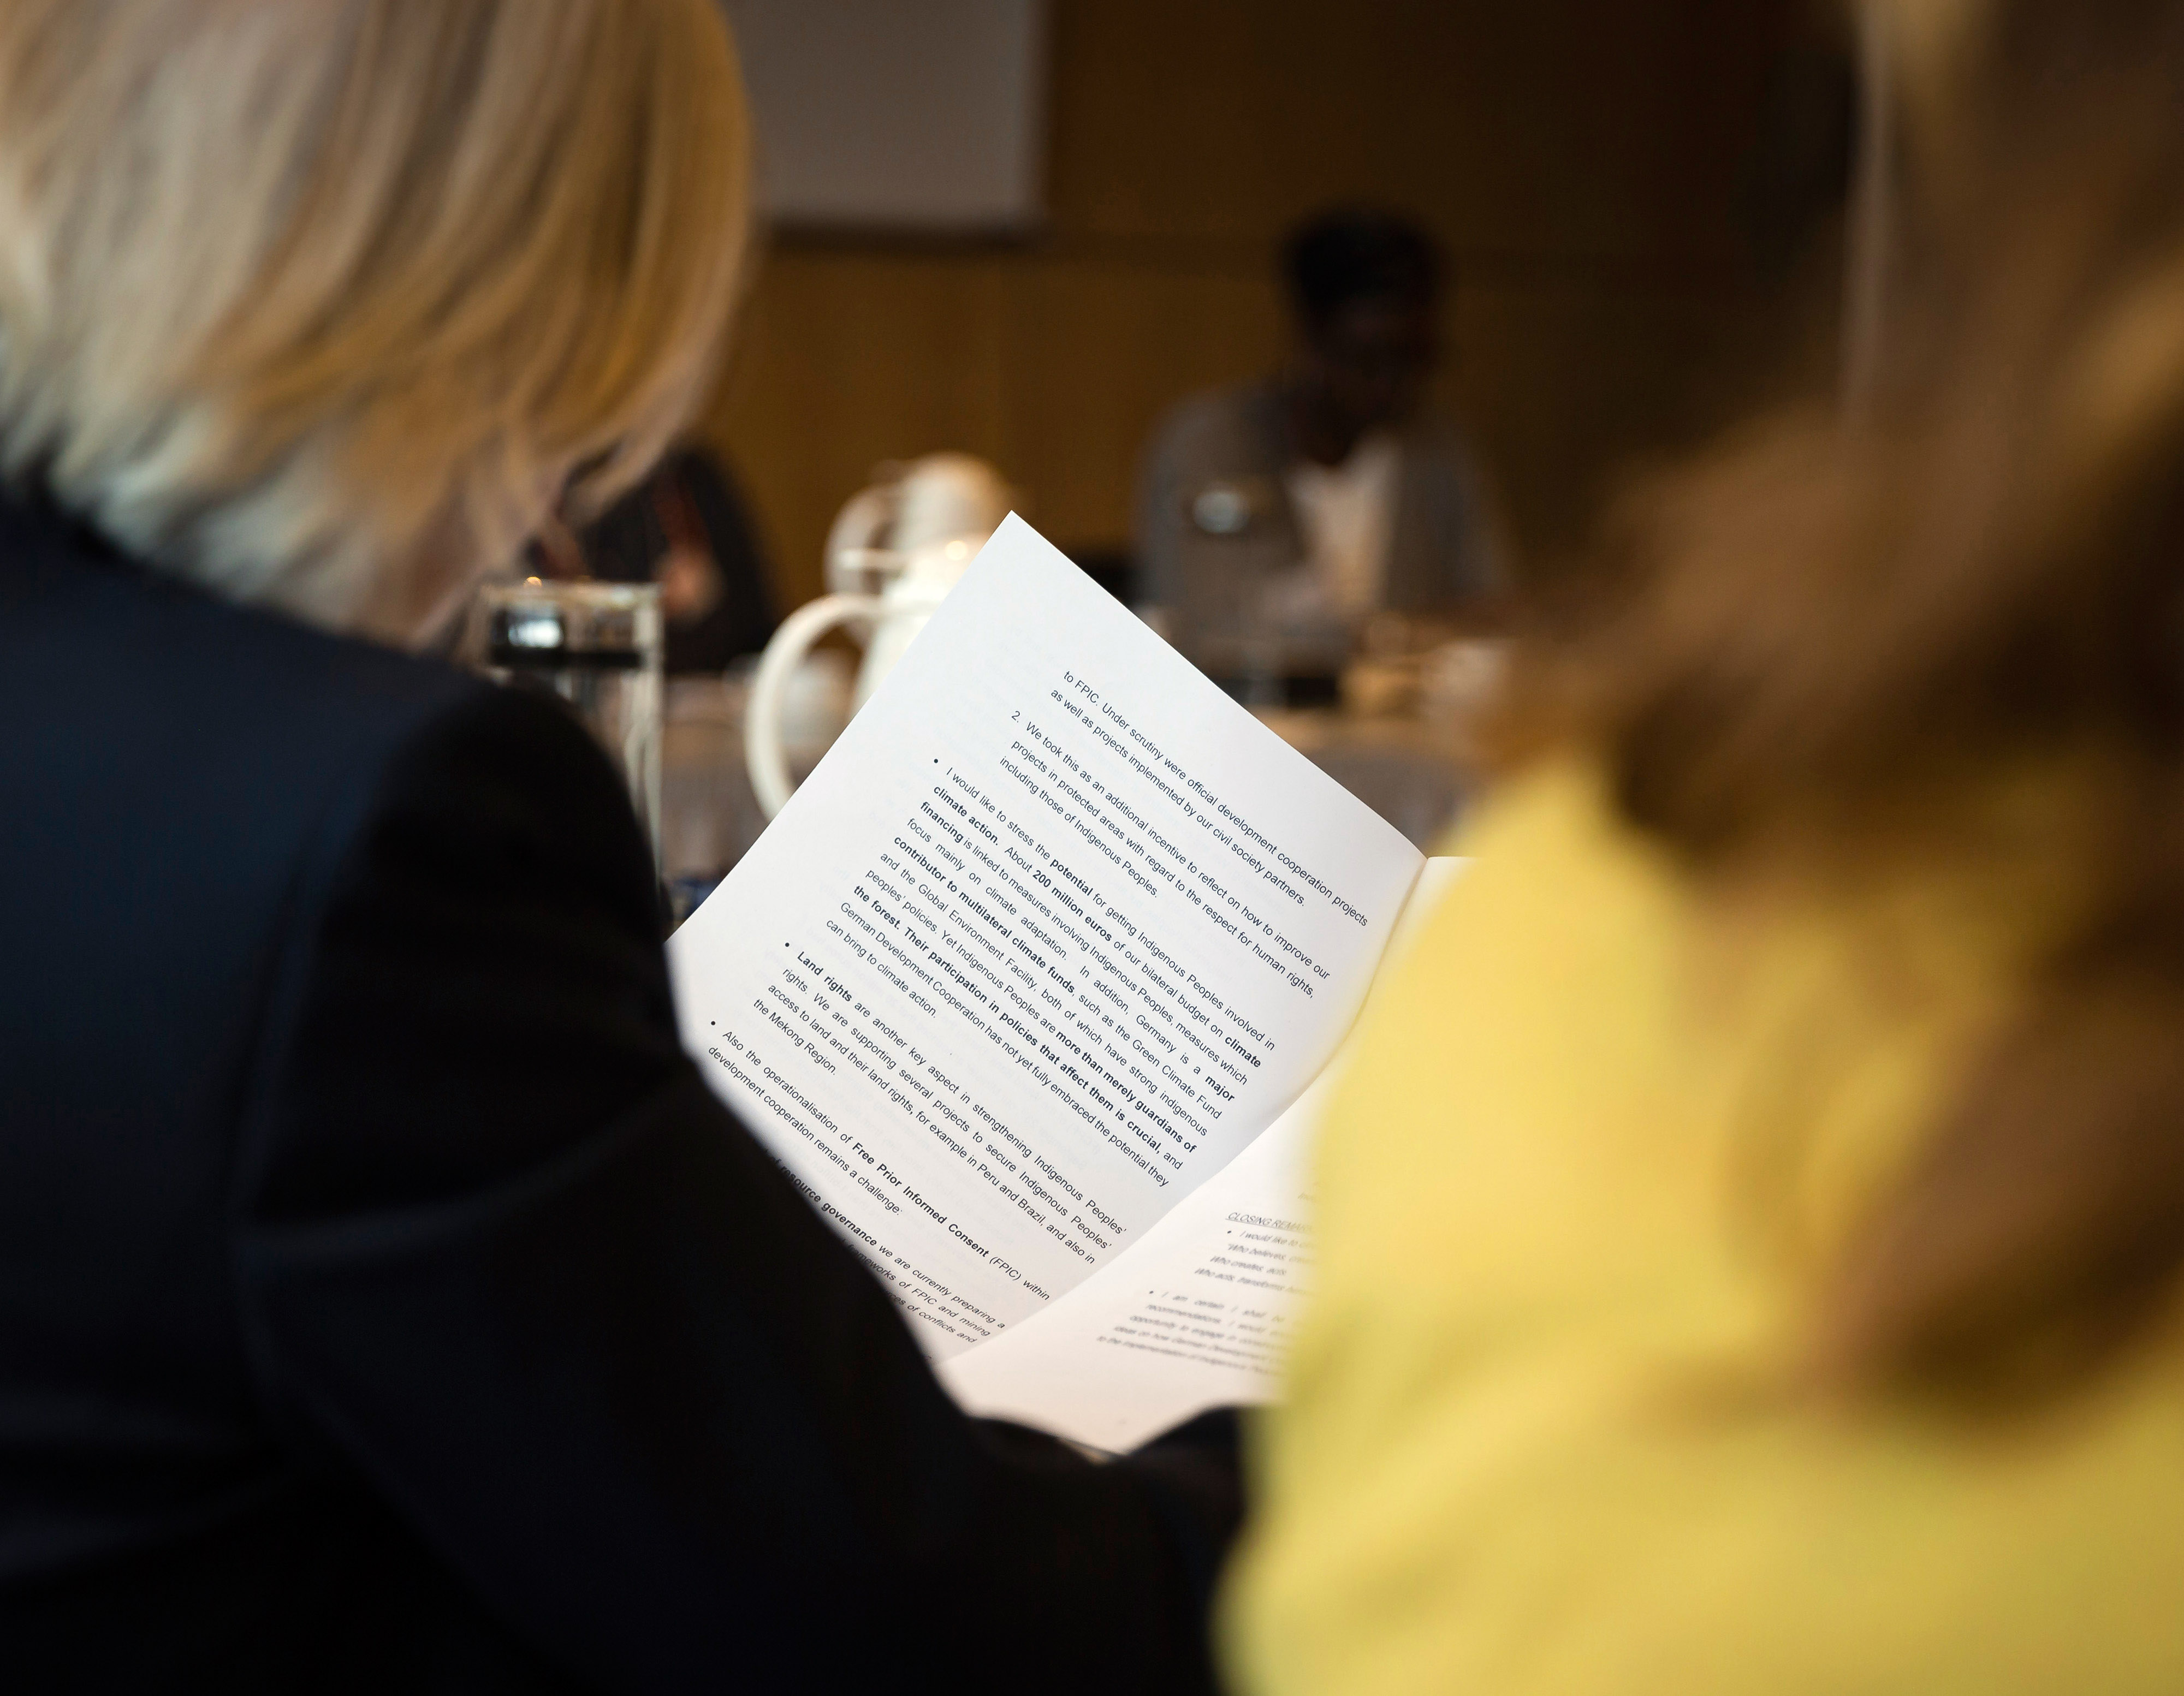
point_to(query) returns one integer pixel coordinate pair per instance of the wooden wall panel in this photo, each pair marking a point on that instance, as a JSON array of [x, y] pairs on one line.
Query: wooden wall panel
[[1098, 351], [1561, 127], [1566, 384], [842, 361], [1579, 158]]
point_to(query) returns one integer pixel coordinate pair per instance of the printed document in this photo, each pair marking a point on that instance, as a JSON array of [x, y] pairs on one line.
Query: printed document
[[1052, 947]]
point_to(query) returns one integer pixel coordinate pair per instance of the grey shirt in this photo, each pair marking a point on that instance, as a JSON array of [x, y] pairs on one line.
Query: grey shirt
[[1216, 526]]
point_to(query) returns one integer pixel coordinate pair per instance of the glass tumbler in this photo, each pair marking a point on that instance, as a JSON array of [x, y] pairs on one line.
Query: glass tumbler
[[597, 648]]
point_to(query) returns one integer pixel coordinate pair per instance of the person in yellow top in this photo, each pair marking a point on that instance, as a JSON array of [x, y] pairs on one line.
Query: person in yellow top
[[1751, 1227]]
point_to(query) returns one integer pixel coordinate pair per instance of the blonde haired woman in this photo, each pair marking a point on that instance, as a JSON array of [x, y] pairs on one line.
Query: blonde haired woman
[[1754, 1241], [384, 1303]]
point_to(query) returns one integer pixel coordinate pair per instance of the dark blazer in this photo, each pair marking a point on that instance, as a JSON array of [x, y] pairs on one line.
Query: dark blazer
[[385, 1303], [1206, 565]]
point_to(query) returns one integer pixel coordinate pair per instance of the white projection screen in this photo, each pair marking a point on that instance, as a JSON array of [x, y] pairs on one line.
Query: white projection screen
[[898, 115]]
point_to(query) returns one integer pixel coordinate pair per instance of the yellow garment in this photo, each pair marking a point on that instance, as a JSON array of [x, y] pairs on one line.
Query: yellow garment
[[1597, 1135]]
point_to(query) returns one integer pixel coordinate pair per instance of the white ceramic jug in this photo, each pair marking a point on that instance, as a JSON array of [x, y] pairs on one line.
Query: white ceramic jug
[[895, 553]]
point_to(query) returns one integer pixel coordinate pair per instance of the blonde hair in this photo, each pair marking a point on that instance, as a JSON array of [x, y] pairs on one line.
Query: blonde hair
[[296, 293]]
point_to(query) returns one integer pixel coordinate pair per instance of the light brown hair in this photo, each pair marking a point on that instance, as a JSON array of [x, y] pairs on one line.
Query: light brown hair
[[297, 297], [1845, 624]]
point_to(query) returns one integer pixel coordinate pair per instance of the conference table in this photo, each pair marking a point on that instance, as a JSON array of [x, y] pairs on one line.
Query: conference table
[[1409, 753]]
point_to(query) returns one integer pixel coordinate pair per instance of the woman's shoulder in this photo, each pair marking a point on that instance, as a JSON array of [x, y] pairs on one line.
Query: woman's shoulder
[[1590, 1022], [1538, 1011], [1560, 899], [1600, 1128], [121, 642], [238, 742]]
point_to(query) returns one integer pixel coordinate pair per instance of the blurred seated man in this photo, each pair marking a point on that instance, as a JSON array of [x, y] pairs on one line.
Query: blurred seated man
[[1273, 520]]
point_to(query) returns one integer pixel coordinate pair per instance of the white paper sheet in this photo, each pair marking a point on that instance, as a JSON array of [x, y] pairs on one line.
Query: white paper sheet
[[1197, 1315], [1051, 934]]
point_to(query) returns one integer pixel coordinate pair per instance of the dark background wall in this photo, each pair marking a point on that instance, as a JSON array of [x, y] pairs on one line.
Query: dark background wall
[[1584, 162]]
